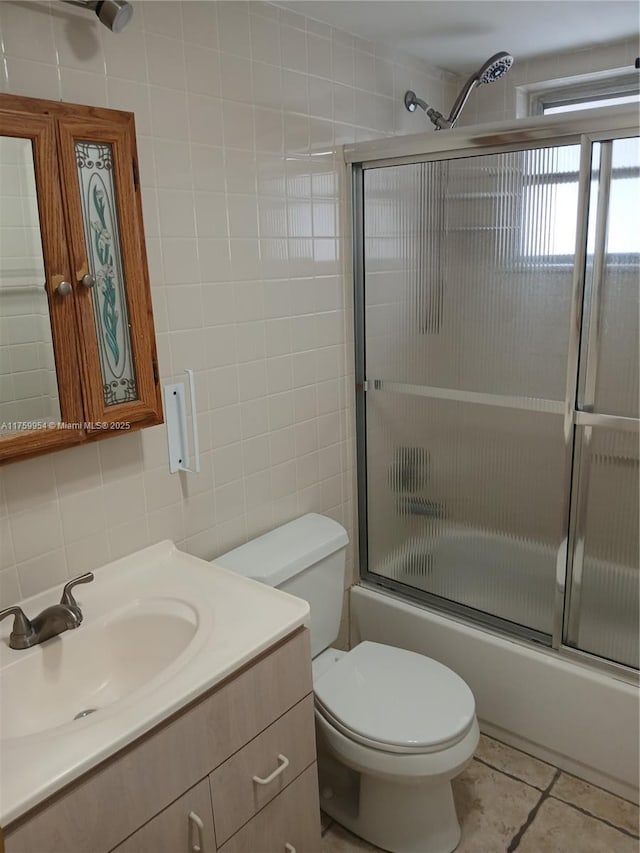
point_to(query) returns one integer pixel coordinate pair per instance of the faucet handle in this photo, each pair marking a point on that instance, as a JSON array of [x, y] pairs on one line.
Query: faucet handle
[[22, 628], [67, 595]]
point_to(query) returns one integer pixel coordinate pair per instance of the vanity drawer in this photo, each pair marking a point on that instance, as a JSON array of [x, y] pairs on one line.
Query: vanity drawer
[[286, 748], [177, 829], [289, 824]]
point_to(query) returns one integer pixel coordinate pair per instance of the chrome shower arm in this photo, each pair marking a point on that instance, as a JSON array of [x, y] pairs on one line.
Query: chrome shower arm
[[493, 69], [412, 101], [438, 119]]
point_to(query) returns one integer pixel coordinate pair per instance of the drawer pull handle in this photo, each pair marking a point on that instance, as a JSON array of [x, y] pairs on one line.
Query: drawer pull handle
[[196, 828], [290, 848], [283, 763]]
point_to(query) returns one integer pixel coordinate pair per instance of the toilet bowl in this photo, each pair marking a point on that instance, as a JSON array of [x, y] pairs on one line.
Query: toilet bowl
[[393, 727], [406, 724]]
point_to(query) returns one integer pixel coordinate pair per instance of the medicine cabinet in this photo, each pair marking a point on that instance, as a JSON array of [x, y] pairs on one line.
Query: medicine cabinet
[[77, 344]]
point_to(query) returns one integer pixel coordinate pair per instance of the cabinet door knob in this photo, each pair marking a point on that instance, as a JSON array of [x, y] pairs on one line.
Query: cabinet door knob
[[64, 288], [283, 763], [196, 834], [88, 280]]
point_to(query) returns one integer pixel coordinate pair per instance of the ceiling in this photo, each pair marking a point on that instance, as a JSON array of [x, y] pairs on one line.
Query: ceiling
[[460, 34]]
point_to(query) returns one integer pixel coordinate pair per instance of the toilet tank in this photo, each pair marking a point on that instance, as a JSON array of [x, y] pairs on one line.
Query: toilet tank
[[306, 558]]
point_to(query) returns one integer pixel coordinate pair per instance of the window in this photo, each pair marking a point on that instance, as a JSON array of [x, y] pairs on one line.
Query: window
[[615, 101], [552, 195], [586, 94]]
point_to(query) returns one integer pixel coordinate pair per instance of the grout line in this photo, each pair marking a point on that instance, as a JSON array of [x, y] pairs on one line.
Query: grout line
[[596, 817], [599, 788], [586, 811], [517, 838], [510, 775]]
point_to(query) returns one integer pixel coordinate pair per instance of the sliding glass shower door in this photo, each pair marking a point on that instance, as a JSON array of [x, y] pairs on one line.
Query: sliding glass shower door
[[602, 596], [473, 272]]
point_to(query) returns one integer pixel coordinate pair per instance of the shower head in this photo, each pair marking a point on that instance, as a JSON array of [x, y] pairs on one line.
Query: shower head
[[114, 14], [494, 68]]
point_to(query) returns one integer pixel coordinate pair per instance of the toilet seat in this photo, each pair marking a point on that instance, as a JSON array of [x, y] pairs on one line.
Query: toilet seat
[[360, 696]]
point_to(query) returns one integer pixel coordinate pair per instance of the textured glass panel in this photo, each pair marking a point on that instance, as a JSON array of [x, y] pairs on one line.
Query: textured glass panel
[[616, 388], [466, 502], [28, 381], [469, 266], [100, 219], [605, 593]]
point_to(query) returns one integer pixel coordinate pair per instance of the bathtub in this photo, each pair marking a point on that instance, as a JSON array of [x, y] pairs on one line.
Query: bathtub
[[476, 567], [515, 579], [581, 719]]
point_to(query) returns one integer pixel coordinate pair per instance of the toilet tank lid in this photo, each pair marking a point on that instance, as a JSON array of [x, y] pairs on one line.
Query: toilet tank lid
[[284, 552]]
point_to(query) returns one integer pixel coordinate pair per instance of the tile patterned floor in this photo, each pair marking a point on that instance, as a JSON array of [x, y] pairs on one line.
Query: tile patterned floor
[[508, 801]]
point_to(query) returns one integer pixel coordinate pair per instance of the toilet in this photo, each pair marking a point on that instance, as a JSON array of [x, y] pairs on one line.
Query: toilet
[[393, 727]]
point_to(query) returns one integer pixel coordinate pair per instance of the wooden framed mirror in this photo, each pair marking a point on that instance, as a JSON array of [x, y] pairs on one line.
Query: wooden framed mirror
[[77, 343]]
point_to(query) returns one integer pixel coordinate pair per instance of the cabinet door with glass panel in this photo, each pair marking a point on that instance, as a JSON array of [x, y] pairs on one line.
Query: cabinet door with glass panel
[[77, 345]]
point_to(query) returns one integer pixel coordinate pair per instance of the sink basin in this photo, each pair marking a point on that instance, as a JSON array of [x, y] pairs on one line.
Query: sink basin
[[82, 671], [160, 629]]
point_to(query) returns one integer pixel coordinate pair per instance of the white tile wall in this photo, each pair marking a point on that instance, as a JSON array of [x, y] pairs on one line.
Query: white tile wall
[[239, 107]]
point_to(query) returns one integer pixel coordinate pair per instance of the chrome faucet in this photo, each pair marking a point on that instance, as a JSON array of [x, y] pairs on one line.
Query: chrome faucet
[[52, 621]]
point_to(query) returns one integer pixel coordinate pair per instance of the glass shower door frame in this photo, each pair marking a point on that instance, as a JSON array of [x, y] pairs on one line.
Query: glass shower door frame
[[585, 418], [562, 130]]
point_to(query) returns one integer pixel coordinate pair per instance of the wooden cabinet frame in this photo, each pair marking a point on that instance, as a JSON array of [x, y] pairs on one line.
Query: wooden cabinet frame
[[53, 129]]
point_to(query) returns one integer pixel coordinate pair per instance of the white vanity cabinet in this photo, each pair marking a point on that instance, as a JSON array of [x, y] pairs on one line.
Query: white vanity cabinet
[[234, 771]]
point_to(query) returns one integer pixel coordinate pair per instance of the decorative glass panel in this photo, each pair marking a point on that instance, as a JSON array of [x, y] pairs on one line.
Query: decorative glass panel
[[100, 219]]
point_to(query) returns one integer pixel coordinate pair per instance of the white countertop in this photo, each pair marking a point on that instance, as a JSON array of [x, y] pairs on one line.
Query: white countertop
[[236, 619]]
